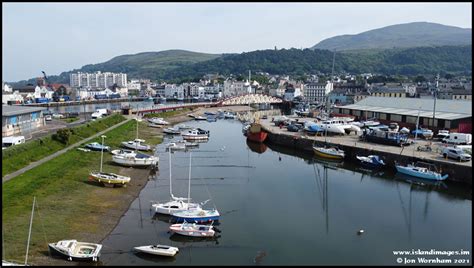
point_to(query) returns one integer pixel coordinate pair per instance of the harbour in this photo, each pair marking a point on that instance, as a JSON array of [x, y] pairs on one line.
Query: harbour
[[288, 207]]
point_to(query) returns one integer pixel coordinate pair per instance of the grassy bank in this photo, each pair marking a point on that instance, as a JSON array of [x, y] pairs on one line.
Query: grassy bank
[[19, 156], [168, 113], [70, 207]]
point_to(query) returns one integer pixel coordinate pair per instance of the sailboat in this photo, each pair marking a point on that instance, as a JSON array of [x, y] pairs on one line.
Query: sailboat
[[329, 152], [9, 263], [136, 144], [197, 215], [132, 158], [420, 169], [108, 179], [176, 203]]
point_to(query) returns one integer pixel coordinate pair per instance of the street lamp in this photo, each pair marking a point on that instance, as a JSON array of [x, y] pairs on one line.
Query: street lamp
[[102, 153]]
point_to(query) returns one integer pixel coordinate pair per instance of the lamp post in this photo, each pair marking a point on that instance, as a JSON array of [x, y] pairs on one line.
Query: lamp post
[[102, 152]]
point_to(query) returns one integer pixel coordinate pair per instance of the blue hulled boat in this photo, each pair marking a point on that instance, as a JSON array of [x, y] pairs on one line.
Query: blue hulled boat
[[421, 170], [196, 215], [371, 161]]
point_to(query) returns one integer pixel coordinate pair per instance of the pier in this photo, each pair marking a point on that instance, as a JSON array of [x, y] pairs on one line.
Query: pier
[[352, 146]]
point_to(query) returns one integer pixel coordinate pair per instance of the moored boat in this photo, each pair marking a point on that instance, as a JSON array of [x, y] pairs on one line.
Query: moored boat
[[171, 131], [421, 170], [256, 133], [136, 144], [196, 215], [109, 179], [193, 229], [161, 250], [135, 159], [331, 152], [74, 250], [372, 161], [95, 146], [196, 134]]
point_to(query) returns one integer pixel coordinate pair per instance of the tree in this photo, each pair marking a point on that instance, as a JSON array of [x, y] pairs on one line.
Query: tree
[[420, 78], [63, 135]]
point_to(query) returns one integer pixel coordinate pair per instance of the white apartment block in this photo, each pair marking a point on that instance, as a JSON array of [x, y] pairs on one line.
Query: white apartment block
[[235, 88], [317, 91], [97, 80]]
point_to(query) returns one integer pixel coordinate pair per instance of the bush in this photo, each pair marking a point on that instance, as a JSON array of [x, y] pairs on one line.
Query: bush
[[63, 135]]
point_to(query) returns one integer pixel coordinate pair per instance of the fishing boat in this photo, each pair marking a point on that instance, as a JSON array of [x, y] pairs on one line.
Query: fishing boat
[[256, 133], [195, 134], [135, 159], [161, 250], [137, 144], [193, 229], [329, 152], [74, 250], [371, 161], [421, 170], [95, 146], [172, 131], [176, 203]]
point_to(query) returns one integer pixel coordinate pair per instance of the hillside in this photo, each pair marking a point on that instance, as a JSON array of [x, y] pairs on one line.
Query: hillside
[[141, 65], [416, 34], [173, 68], [412, 61]]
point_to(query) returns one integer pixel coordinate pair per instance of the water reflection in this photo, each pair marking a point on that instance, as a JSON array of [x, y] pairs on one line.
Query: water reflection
[[257, 147], [282, 199]]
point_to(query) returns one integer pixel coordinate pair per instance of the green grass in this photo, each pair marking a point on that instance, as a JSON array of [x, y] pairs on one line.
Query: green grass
[[19, 156], [70, 120], [169, 113], [69, 207]]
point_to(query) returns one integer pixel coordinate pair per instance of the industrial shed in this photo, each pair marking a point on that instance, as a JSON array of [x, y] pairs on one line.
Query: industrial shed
[[454, 115], [21, 120]]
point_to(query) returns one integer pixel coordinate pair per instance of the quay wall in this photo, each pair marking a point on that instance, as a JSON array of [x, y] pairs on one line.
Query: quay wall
[[458, 173]]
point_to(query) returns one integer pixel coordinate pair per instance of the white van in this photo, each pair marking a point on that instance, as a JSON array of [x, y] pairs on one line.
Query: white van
[[458, 138], [99, 113], [13, 140]]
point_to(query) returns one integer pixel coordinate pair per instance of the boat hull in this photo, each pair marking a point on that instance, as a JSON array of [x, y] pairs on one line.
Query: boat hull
[[327, 155], [115, 180], [257, 137], [163, 252], [426, 176], [179, 219], [178, 229], [55, 251], [133, 162]]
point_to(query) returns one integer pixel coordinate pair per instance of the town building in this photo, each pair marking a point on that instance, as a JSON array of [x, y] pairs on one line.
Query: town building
[[21, 120], [452, 115], [97, 80]]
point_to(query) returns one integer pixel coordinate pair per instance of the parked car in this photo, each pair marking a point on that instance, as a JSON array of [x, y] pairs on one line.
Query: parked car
[[455, 153], [48, 118], [57, 116]]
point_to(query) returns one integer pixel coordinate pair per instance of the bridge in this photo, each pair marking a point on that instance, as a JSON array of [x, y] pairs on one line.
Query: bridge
[[250, 99]]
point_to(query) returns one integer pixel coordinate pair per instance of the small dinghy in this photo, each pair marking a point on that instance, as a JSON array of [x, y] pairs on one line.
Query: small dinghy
[[161, 250], [73, 250], [109, 179], [172, 131], [193, 229]]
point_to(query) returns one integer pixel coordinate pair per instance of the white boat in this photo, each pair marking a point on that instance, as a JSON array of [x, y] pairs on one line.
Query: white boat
[[332, 126], [367, 123], [195, 135], [193, 229], [137, 144], [176, 203], [172, 131], [155, 125], [135, 159], [109, 179], [346, 123], [158, 121], [121, 151], [176, 146], [200, 118], [183, 127], [73, 250], [161, 250]]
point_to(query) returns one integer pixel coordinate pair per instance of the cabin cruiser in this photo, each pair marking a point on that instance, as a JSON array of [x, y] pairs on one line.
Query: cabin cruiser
[[74, 250], [196, 134], [137, 144], [134, 159], [333, 126]]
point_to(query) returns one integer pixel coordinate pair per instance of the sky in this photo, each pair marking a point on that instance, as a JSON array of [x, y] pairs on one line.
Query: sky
[[59, 37]]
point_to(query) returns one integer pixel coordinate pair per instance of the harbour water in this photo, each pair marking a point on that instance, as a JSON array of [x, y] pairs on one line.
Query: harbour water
[[282, 207]]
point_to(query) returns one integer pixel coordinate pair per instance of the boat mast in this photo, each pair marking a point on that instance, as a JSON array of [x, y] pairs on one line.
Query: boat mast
[[169, 152], [102, 153], [189, 183], [29, 233], [435, 93], [328, 105], [416, 129]]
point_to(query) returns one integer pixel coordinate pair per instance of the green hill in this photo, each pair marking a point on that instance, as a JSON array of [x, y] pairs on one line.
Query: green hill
[[411, 61], [416, 34]]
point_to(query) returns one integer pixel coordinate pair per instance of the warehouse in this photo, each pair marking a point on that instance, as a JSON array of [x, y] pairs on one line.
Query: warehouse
[[21, 120], [453, 115]]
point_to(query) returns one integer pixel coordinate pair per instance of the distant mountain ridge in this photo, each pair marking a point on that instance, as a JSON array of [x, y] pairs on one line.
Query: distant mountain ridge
[[415, 34]]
